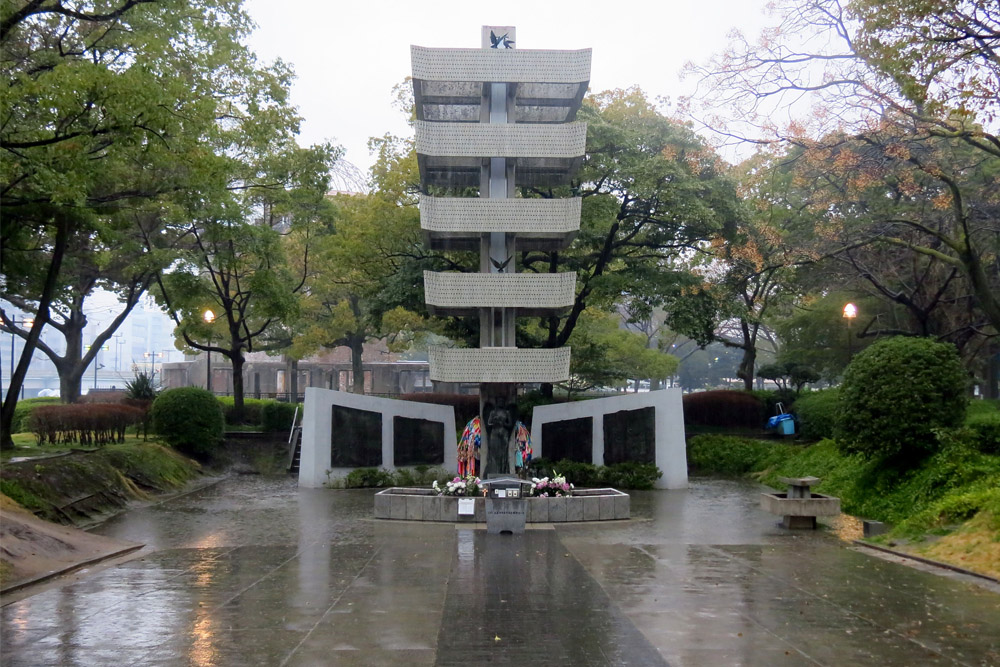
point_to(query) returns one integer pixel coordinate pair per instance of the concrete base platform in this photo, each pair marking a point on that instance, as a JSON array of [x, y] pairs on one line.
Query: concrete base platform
[[424, 505]]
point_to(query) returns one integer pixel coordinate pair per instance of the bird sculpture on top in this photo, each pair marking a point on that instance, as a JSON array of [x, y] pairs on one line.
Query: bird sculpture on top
[[501, 266], [498, 42]]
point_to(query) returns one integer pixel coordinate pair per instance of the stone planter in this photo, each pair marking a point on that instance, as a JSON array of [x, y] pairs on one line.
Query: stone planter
[[407, 504]]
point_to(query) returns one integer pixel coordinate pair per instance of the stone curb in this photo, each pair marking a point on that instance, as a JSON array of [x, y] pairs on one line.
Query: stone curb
[[927, 561], [67, 570]]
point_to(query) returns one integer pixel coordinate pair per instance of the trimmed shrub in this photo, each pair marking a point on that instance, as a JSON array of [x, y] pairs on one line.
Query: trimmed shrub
[[276, 416], [189, 419], [895, 394], [366, 478], [724, 407], [94, 424], [24, 408], [817, 413], [251, 410]]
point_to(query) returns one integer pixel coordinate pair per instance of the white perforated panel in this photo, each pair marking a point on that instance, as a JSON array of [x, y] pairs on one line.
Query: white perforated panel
[[496, 65], [499, 364], [520, 216], [499, 290], [486, 140]]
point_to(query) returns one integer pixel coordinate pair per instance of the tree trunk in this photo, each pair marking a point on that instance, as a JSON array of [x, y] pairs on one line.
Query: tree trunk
[[357, 345], [42, 317], [238, 360]]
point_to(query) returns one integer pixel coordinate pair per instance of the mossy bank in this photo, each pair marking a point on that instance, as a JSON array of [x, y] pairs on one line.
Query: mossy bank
[[80, 486]]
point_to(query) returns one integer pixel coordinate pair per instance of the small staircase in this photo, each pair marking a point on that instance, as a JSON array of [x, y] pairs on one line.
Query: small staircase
[[295, 445], [295, 451]]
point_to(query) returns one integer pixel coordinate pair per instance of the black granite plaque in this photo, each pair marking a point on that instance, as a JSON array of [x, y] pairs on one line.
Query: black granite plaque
[[417, 442], [571, 439], [356, 438], [630, 435]]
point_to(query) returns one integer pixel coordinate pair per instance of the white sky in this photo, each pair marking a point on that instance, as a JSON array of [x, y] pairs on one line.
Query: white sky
[[348, 55]]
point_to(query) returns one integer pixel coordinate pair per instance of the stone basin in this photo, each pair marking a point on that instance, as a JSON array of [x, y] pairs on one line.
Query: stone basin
[[416, 504]]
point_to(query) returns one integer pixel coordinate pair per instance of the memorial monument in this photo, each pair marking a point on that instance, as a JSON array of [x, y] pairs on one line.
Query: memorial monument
[[496, 119]]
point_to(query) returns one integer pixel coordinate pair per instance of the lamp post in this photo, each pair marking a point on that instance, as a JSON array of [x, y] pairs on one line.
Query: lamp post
[[29, 322], [97, 364], [850, 312], [209, 317], [152, 356], [119, 341]]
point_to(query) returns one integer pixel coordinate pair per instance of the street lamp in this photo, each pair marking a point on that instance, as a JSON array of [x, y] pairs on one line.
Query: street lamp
[[209, 317], [152, 356], [26, 322], [119, 341], [850, 312], [97, 364]]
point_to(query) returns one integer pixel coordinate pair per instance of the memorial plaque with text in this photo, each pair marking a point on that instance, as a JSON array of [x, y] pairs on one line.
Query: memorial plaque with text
[[417, 442], [630, 435], [571, 439], [356, 438]]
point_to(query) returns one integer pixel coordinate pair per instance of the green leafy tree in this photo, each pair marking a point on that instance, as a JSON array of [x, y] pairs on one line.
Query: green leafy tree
[[110, 120], [239, 267], [607, 355], [653, 194]]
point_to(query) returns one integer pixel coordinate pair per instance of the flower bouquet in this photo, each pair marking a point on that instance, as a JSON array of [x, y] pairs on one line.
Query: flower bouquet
[[467, 485], [556, 487]]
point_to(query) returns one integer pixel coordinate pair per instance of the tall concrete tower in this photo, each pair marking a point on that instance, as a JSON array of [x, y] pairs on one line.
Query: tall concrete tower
[[498, 118]]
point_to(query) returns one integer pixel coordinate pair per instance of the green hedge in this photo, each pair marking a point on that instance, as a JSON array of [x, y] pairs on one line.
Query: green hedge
[[277, 417], [189, 419], [23, 410], [628, 475], [817, 413], [251, 410]]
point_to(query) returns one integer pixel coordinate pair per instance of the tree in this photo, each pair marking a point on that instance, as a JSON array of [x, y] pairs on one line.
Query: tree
[[237, 262], [653, 193], [103, 112], [369, 281], [607, 355], [893, 118]]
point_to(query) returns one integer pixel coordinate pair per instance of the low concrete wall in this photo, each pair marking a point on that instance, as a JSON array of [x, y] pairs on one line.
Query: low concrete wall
[[424, 505], [317, 425], [671, 453]]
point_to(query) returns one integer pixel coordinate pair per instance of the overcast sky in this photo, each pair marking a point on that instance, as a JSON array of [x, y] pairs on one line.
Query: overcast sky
[[348, 55]]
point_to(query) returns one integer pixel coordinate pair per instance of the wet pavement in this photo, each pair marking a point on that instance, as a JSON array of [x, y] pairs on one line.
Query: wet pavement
[[254, 571]]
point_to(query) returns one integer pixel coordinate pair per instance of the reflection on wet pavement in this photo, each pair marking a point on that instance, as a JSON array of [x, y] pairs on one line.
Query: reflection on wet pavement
[[254, 571]]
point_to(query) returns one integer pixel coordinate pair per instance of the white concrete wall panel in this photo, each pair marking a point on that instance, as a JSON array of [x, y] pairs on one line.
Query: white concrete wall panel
[[317, 427], [671, 453]]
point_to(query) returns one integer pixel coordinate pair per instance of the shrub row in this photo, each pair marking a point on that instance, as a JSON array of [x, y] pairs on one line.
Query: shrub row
[[95, 424], [23, 410], [375, 478], [817, 413], [629, 475]]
